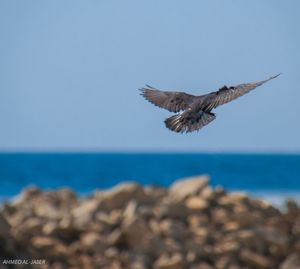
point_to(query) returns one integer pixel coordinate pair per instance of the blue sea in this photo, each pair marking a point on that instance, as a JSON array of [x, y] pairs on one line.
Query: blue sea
[[270, 176]]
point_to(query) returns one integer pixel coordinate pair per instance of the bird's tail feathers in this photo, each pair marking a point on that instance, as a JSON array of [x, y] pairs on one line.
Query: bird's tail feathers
[[189, 121]]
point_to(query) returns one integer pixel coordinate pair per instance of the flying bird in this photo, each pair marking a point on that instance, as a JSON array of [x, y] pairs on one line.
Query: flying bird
[[194, 112]]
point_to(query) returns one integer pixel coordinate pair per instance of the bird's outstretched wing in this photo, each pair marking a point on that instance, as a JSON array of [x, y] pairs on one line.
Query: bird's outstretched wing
[[227, 94], [172, 101]]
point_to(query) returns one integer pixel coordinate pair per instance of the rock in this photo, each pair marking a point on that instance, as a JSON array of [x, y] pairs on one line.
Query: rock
[[202, 265], [27, 195], [171, 209], [131, 209], [291, 262], [135, 230], [48, 211], [202, 233], [111, 219], [170, 245], [4, 227], [220, 215], [92, 242], [190, 226], [30, 227], [296, 228], [233, 199], [155, 193], [244, 219], [274, 237], [191, 186], [196, 220], [231, 226], [196, 204], [84, 214], [227, 248], [66, 197], [255, 260], [111, 253], [120, 195], [49, 247], [292, 206], [7, 244], [173, 262], [115, 237], [207, 193], [223, 262], [174, 229], [138, 237]]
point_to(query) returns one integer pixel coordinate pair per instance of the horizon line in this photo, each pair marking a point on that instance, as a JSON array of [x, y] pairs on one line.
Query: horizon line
[[145, 151]]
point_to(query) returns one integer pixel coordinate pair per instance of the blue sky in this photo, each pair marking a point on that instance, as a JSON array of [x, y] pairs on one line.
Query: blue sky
[[70, 70]]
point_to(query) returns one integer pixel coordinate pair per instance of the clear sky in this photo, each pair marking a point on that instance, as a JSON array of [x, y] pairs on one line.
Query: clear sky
[[70, 70]]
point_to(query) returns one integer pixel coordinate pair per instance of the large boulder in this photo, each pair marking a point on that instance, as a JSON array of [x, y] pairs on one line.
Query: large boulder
[[120, 195], [191, 186]]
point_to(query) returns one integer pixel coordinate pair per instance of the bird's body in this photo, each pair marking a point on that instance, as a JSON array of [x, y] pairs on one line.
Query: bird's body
[[195, 111]]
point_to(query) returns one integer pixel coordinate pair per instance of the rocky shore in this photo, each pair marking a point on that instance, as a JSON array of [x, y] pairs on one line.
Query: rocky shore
[[190, 225]]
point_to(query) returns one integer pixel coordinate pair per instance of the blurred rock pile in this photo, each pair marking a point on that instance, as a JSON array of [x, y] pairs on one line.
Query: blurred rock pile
[[190, 225]]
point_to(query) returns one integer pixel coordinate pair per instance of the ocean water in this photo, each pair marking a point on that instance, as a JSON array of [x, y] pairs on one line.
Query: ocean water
[[271, 176]]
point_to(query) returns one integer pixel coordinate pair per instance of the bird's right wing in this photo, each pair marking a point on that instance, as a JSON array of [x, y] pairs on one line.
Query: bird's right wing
[[172, 101], [227, 94]]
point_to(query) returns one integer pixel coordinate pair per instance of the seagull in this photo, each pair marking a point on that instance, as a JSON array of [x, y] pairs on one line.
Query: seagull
[[194, 112]]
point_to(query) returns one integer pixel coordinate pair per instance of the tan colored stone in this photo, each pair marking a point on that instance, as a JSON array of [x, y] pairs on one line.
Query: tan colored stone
[[231, 226], [174, 229], [196, 204], [93, 242], [256, 260], [196, 220], [220, 215], [173, 262], [49, 247], [121, 194], [222, 262], [171, 209], [27, 195], [227, 200], [183, 188], [274, 237], [207, 193], [291, 262], [225, 248], [24, 232], [202, 265], [113, 218], [84, 214]]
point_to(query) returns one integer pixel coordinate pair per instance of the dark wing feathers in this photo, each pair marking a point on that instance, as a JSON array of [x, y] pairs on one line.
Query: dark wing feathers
[[172, 101], [227, 94]]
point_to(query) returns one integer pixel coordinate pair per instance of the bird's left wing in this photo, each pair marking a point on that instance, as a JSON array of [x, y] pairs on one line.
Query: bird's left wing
[[172, 101], [227, 94]]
